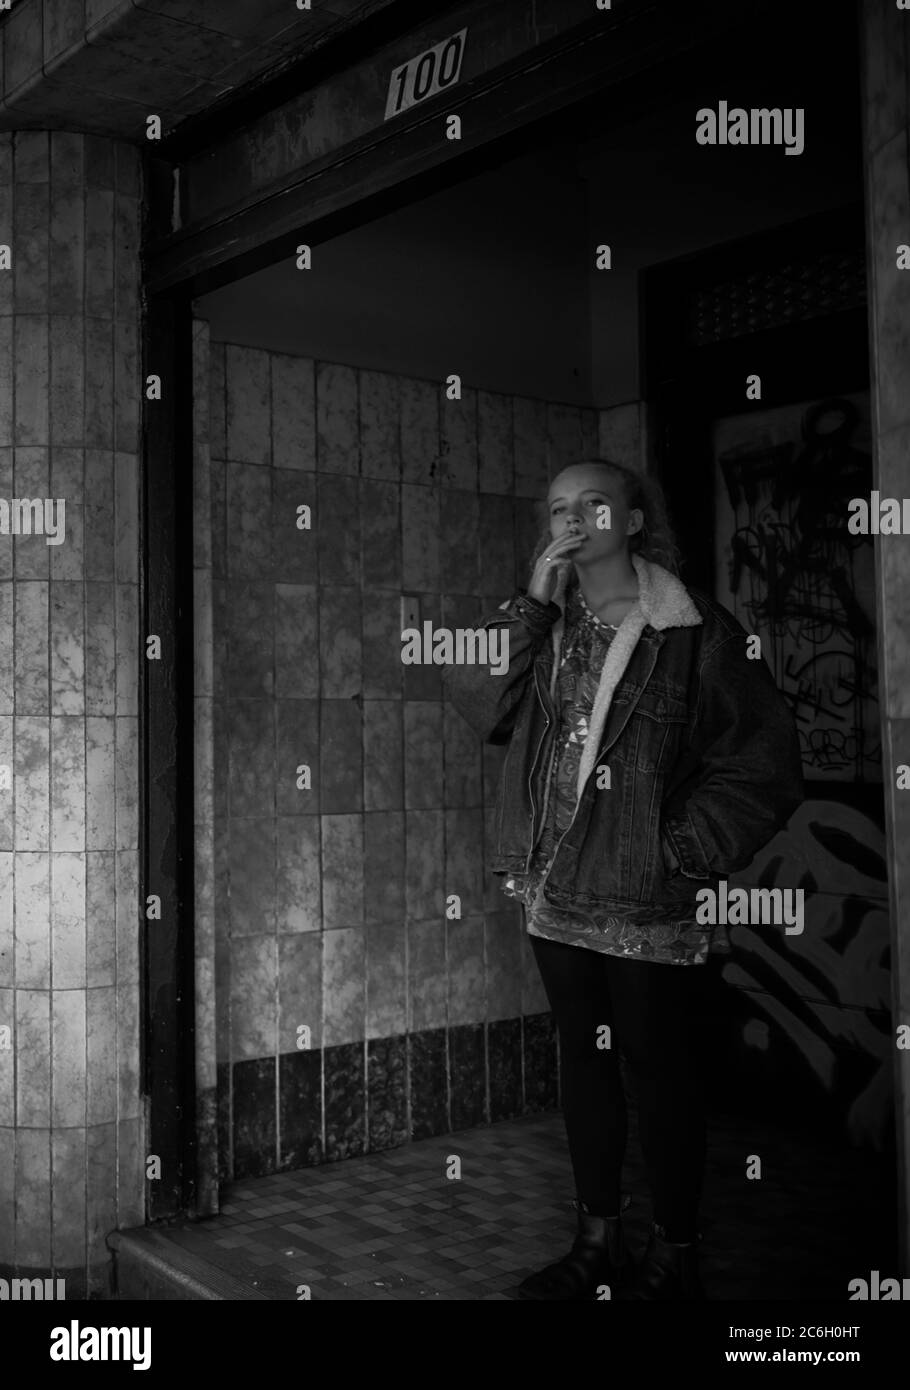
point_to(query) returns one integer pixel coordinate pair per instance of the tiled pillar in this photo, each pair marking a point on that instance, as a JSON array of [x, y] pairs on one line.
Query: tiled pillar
[[71, 1146], [886, 131]]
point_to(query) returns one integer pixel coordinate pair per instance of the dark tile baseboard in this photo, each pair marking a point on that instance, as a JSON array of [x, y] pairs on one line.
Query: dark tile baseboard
[[322, 1104]]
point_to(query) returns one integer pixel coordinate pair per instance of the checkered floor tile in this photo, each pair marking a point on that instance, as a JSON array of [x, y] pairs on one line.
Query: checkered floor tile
[[392, 1225]]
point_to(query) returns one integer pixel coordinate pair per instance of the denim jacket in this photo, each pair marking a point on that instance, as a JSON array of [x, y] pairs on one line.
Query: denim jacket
[[701, 748]]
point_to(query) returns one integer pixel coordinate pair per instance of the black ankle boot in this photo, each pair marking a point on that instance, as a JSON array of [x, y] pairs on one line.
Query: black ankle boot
[[667, 1271], [598, 1256]]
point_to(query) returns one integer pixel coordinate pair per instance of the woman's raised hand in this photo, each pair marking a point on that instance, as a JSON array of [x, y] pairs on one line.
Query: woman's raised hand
[[554, 559]]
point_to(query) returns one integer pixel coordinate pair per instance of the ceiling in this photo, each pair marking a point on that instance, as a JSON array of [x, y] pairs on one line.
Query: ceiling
[[104, 66]]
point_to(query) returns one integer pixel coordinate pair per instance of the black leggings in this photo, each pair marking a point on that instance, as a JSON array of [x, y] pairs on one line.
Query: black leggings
[[650, 1009]]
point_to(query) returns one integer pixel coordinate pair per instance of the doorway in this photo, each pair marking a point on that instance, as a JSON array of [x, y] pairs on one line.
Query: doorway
[[329, 808]]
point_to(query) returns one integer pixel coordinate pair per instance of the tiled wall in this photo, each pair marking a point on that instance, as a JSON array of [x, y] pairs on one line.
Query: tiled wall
[[330, 902], [71, 1131]]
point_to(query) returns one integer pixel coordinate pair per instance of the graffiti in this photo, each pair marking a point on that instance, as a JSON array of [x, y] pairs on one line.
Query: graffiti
[[797, 576], [828, 990], [828, 750], [792, 572], [829, 686]]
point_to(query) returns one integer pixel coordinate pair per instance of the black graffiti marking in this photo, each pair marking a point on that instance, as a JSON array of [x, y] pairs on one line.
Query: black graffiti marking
[[803, 696], [784, 572], [847, 848], [834, 749], [792, 567], [840, 683]]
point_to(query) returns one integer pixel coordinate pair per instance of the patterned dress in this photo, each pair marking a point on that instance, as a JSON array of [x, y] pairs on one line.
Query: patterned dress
[[585, 643]]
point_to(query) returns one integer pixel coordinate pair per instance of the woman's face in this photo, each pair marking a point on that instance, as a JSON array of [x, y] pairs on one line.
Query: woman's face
[[576, 500]]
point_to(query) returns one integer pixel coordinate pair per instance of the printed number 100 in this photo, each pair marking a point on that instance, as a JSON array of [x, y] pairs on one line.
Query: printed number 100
[[425, 75]]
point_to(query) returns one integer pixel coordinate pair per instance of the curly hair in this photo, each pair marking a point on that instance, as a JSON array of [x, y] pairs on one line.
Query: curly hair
[[654, 541]]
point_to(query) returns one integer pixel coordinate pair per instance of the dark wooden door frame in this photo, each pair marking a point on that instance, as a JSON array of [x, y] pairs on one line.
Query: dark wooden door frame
[[508, 112], [525, 100]]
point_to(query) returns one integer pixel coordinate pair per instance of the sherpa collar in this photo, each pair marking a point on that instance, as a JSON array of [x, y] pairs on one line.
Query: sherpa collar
[[663, 601]]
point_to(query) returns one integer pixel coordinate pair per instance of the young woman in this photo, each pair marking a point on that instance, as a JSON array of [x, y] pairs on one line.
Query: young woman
[[649, 756]]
